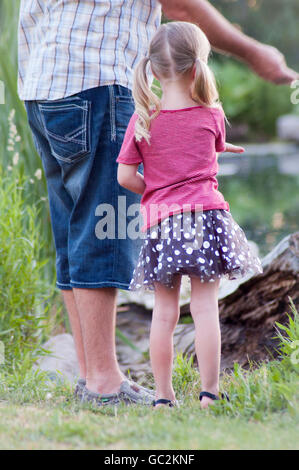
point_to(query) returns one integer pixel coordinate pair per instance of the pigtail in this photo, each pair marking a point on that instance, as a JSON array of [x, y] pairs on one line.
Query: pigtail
[[145, 100], [204, 88]]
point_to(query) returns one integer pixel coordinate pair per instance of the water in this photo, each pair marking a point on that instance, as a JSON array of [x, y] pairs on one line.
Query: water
[[263, 193]]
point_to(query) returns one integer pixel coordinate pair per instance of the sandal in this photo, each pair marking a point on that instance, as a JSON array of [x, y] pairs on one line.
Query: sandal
[[163, 401], [212, 396]]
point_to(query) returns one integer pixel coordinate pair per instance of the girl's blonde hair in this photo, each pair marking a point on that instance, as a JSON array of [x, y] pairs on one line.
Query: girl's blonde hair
[[174, 50]]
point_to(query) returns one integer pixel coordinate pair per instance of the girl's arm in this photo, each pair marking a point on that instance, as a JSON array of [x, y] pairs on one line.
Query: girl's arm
[[129, 178], [233, 148]]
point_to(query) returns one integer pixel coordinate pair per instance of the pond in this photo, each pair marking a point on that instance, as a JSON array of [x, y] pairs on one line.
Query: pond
[[262, 188]]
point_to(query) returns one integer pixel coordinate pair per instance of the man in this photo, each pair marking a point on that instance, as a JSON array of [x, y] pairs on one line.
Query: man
[[76, 61]]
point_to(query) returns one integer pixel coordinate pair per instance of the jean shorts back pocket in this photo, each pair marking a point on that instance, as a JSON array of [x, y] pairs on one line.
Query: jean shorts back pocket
[[67, 127]]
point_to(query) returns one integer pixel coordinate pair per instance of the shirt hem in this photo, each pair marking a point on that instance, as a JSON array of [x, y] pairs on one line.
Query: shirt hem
[[152, 223], [57, 96]]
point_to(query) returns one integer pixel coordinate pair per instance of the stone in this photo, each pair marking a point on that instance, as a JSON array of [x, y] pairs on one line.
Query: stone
[[288, 127], [62, 362]]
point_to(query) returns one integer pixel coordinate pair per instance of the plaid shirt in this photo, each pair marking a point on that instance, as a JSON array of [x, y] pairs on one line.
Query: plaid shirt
[[67, 46]]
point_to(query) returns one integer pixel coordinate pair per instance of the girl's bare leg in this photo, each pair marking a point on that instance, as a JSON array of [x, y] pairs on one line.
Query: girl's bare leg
[[165, 317], [204, 310]]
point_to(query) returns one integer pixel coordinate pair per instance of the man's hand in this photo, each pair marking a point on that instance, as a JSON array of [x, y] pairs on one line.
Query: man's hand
[[265, 60], [269, 63]]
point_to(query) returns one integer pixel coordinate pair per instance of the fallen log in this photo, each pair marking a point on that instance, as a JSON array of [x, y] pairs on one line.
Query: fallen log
[[248, 312]]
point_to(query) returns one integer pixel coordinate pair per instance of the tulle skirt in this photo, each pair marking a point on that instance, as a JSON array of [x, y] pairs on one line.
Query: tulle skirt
[[208, 245]]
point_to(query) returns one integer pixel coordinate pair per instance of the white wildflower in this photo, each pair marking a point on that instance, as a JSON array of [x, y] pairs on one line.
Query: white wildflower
[[15, 159], [11, 114], [31, 181], [9, 168], [38, 174]]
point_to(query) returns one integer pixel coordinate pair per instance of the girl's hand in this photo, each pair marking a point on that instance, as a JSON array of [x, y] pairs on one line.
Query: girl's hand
[[233, 148]]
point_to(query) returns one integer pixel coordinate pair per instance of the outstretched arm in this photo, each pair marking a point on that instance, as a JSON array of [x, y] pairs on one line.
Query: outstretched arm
[[265, 60]]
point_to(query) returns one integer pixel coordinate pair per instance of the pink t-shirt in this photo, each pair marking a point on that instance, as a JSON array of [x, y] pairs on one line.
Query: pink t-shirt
[[180, 164]]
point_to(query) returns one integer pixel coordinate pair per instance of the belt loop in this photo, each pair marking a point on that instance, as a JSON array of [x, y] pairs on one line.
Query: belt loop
[[112, 112]]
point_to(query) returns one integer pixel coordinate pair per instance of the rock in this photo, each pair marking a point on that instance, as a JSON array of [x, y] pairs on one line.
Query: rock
[[146, 299], [288, 127], [62, 363]]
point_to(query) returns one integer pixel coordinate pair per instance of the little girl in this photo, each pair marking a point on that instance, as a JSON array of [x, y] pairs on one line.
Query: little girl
[[177, 139]]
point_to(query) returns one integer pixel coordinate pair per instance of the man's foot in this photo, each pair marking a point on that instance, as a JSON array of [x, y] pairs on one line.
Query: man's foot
[[80, 385], [128, 393]]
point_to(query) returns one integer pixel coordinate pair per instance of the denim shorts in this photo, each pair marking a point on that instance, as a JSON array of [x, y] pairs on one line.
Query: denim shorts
[[78, 139]]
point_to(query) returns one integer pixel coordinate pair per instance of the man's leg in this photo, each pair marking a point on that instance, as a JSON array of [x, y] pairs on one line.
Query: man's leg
[[97, 309], [74, 318]]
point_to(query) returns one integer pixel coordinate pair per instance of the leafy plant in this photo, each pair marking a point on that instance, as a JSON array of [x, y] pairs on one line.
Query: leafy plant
[[185, 376], [24, 290]]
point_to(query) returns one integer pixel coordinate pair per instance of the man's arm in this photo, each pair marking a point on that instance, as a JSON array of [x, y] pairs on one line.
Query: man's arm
[[265, 60]]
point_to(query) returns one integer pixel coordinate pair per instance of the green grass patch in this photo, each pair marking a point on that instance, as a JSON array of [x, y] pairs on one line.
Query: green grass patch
[[263, 412]]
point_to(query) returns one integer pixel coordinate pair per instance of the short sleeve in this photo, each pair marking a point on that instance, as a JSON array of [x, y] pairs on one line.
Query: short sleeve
[[220, 130], [129, 152]]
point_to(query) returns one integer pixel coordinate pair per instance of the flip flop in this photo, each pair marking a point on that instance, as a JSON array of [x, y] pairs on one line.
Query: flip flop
[[212, 396], [163, 401]]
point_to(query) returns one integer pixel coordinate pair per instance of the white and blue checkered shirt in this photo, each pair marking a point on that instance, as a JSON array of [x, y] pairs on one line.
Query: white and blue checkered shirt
[[67, 46]]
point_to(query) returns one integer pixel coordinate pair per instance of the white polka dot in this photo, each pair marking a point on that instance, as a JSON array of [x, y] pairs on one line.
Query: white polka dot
[[169, 258], [159, 247], [176, 252], [201, 260], [206, 244], [219, 230], [189, 251]]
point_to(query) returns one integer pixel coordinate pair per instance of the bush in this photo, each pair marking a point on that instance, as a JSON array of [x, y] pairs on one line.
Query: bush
[[248, 99], [23, 290]]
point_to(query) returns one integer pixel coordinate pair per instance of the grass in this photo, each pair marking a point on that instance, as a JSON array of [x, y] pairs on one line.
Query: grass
[[263, 412], [36, 427]]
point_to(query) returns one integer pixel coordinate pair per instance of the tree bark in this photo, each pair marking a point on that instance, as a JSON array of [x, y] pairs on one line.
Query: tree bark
[[248, 314]]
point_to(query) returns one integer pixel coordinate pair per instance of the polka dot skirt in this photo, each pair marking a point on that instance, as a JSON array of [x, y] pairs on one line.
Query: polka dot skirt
[[208, 244]]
